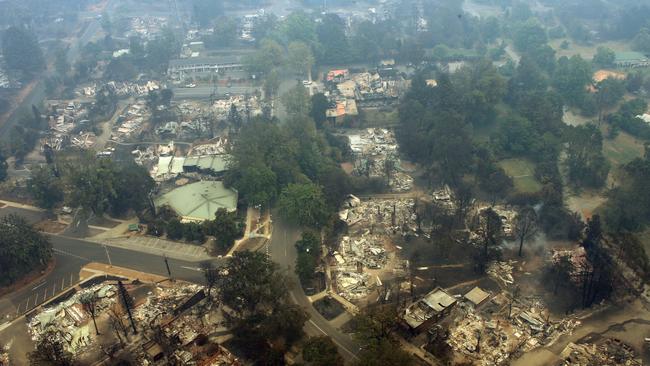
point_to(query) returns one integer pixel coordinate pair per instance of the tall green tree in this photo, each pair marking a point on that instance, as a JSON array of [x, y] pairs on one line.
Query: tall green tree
[[45, 187], [296, 101], [21, 51], [303, 204], [300, 58], [22, 249], [321, 351], [3, 167], [572, 75], [226, 228]]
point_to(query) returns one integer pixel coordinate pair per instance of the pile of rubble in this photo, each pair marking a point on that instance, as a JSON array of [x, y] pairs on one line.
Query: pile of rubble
[[217, 146], [352, 285], [63, 119], [4, 354], [379, 216], [370, 227], [244, 104], [132, 122], [501, 272], [122, 89], [518, 327], [444, 198], [166, 299], [376, 156], [146, 27], [608, 352], [70, 320]]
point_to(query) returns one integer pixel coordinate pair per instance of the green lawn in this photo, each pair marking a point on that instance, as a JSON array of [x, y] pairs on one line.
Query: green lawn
[[623, 149], [372, 117], [586, 51], [522, 172]]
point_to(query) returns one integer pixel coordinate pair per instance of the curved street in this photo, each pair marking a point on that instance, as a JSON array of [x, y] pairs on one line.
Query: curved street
[[283, 252]]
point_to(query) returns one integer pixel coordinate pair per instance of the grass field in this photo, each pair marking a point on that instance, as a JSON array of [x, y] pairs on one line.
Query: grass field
[[623, 149], [586, 51], [522, 172], [375, 118]]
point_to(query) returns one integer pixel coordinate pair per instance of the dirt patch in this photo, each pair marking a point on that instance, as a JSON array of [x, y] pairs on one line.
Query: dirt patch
[[51, 227], [328, 307], [347, 167], [29, 278]]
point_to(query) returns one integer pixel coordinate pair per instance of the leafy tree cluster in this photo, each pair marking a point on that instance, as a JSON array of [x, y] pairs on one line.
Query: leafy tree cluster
[[375, 327], [21, 51], [256, 305], [628, 205], [22, 249], [308, 248], [97, 185], [625, 119], [226, 227], [291, 164], [587, 166]]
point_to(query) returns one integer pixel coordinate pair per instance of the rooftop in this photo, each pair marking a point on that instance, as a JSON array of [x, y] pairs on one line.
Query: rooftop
[[434, 303], [199, 201], [476, 296], [630, 56], [225, 59]]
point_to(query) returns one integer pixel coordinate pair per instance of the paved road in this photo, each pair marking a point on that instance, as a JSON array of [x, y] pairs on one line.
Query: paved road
[[283, 252], [71, 254]]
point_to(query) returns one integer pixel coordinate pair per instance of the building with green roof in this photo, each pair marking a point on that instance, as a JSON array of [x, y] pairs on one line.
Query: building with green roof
[[631, 59], [199, 201]]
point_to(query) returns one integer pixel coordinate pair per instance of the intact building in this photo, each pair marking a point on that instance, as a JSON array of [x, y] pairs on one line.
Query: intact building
[[198, 202]]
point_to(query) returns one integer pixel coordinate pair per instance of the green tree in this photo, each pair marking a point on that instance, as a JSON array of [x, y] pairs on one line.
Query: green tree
[[296, 101], [375, 326], [21, 51], [45, 187], [303, 204], [22, 249], [321, 351], [572, 75], [255, 295], [226, 228], [609, 92], [174, 229], [308, 248], [319, 106], [257, 185], [298, 27], [529, 35], [641, 41], [300, 58], [604, 57], [3, 167], [584, 157], [334, 46]]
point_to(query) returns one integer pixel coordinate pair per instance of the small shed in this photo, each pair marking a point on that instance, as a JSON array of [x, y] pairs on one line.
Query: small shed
[[476, 296]]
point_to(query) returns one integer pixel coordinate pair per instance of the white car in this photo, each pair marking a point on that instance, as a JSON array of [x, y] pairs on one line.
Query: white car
[[306, 82]]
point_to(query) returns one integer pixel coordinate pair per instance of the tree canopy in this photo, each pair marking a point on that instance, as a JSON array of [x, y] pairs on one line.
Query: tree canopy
[[21, 51], [22, 249]]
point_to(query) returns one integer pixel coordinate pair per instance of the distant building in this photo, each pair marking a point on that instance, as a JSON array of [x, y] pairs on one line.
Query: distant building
[[342, 109], [337, 76], [422, 314], [198, 65], [631, 59], [197, 202], [171, 166]]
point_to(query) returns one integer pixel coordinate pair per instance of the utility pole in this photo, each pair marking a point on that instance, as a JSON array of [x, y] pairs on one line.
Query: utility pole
[[108, 256], [169, 273]]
